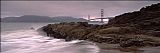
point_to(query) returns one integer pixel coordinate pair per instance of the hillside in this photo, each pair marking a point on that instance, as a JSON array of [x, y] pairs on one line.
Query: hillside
[[34, 18], [148, 18]]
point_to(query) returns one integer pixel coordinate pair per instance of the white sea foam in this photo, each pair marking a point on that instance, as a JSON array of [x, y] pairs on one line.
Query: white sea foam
[[30, 41]]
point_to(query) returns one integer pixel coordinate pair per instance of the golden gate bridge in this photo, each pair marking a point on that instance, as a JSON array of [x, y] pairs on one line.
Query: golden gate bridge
[[101, 17]]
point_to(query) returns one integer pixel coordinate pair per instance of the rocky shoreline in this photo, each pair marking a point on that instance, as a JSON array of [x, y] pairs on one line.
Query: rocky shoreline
[[124, 36], [128, 31]]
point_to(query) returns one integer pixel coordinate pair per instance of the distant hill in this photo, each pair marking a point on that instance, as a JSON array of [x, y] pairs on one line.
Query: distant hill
[[34, 18], [68, 19]]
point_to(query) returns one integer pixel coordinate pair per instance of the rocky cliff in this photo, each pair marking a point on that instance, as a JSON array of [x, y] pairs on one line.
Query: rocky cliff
[[148, 18], [135, 29]]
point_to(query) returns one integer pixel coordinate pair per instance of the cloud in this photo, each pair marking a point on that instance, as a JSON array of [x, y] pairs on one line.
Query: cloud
[[70, 8]]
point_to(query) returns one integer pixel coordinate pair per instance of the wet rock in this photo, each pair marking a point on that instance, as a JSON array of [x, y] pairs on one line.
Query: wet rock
[[154, 33], [139, 43], [118, 30], [132, 42]]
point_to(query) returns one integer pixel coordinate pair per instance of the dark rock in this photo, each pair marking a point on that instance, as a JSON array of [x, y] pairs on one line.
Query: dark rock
[[139, 42], [148, 18], [83, 24], [132, 42], [120, 30], [153, 7], [154, 33]]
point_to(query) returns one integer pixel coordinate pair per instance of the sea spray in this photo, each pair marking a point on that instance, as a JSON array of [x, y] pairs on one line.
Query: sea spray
[[30, 41]]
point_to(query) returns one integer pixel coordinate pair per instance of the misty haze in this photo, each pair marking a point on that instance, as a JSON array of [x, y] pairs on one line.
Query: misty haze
[[80, 26]]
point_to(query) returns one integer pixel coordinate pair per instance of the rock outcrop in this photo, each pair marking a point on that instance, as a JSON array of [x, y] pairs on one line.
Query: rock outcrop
[[148, 18], [124, 36], [71, 31], [139, 29]]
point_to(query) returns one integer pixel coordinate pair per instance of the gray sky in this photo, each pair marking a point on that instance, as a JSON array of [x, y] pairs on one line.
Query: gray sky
[[70, 8]]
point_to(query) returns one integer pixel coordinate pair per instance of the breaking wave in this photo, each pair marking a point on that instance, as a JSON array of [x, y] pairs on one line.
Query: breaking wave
[[30, 41]]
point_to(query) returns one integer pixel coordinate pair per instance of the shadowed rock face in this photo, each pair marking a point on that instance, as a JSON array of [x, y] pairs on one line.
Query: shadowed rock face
[[148, 18], [140, 28]]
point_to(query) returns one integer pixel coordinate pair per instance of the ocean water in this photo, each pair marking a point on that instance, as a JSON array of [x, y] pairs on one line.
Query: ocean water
[[20, 38]]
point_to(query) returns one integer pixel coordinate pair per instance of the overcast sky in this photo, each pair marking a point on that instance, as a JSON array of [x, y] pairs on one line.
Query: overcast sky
[[70, 8]]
